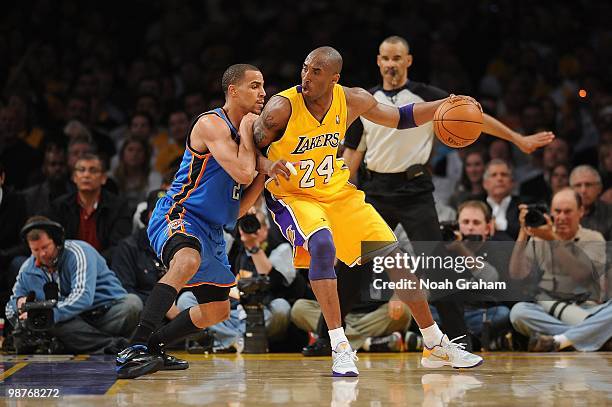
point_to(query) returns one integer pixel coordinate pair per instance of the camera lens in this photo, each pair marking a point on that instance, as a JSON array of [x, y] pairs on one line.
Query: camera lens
[[249, 223], [534, 218]]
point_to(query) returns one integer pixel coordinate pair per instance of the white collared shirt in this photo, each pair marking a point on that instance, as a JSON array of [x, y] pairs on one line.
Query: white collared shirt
[[498, 211], [1, 195]]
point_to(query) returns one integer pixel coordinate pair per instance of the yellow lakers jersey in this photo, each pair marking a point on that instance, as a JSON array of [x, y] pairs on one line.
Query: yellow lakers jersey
[[315, 145]]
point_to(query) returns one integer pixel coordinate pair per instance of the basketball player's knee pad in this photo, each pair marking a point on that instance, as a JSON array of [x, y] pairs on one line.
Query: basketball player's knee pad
[[206, 293], [322, 256]]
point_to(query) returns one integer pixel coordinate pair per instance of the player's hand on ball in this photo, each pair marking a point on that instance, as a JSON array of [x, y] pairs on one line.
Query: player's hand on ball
[[529, 144], [454, 97]]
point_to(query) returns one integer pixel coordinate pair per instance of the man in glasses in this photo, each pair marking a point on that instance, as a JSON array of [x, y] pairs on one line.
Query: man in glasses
[[586, 181], [92, 214]]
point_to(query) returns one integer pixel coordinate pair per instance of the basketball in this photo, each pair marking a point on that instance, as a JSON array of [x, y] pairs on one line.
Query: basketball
[[458, 122]]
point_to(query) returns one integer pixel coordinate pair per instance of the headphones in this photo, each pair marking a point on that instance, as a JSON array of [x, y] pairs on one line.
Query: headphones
[[53, 229]]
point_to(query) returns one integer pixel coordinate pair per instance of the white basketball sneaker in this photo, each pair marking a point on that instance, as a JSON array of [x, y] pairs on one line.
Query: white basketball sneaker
[[449, 353], [344, 359]]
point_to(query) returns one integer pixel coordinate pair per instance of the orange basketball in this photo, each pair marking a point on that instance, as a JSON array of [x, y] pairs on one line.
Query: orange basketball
[[458, 122]]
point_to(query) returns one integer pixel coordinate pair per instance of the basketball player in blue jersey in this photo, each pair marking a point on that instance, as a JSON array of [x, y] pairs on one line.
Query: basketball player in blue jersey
[[322, 214], [186, 227]]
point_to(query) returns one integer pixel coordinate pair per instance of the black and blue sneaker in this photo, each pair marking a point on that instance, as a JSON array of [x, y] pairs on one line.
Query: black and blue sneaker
[[172, 362], [135, 361]]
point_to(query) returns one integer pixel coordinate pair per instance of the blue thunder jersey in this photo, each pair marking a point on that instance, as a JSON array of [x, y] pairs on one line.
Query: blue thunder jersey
[[203, 188]]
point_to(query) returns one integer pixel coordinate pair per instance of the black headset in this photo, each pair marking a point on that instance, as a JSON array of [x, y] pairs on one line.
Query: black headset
[[53, 229]]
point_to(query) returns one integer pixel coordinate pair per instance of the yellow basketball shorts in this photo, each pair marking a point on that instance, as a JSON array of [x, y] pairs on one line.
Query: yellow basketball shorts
[[346, 214]]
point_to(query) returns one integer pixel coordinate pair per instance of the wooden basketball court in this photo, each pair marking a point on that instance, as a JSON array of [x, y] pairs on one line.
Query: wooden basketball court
[[560, 379]]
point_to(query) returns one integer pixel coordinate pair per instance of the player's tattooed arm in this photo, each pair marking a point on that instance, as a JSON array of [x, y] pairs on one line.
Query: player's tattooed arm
[[270, 127], [272, 122]]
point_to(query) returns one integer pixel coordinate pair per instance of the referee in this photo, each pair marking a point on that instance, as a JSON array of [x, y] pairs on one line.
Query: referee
[[396, 180]]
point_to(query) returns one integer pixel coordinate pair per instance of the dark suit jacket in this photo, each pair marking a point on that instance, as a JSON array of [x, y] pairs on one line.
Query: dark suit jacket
[[536, 189], [12, 219], [113, 219], [512, 214]]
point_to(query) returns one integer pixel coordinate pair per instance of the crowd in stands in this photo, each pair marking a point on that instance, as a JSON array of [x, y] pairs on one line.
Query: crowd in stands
[[96, 104]]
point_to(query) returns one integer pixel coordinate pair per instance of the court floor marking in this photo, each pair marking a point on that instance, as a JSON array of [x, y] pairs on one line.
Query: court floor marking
[[7, 373], [117, 387]]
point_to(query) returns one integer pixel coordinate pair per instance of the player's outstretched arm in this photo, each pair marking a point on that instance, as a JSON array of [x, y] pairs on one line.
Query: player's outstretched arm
[[238, 160], [527, 144], [361, 103]]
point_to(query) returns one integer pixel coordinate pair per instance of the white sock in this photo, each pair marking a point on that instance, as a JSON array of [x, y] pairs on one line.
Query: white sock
[[337, 336], [432, 335], [562, 341], [366, 344]]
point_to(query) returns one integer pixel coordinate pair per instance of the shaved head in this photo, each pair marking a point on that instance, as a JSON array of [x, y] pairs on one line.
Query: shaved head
[[329, 56], [396, 39]]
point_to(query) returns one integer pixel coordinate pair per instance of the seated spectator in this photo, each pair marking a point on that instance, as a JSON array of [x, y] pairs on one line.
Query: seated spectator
[[12, 218], [79, 108], [194, 103], [257, 256], [56, 182], [605, 166], [93, 313], [27, 131], [585, 180], [470, 186], [559, 178], [475, 223], [569, 262], [538, 188], [138, 216], [90, 213], [498, 183], [78, 146], [135, 262], [178, 126], [20, 160], [133, 174]]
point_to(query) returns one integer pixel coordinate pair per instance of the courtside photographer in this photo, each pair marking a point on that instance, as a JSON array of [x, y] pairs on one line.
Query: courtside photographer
[[71, 294], [568, 262]]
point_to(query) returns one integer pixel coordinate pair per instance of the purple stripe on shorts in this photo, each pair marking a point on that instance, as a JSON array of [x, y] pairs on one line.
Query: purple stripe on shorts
[[283, 218]]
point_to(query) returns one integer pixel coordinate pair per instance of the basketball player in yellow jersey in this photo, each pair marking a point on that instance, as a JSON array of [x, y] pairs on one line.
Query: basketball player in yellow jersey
[[324, 216]]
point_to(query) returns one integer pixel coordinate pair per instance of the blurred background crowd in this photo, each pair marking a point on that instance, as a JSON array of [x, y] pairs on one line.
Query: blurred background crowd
[[123, 80]]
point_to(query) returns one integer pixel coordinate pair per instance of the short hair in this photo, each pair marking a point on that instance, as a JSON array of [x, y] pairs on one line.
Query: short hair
[[576, 195], [396, 39], [497, 161], [82, 139], [149, 95], [142, 114], [92, 157], [331, 56], [585, 168], [80, 127], [177, 110], [484, 208], [234, 74], [35, 234]]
